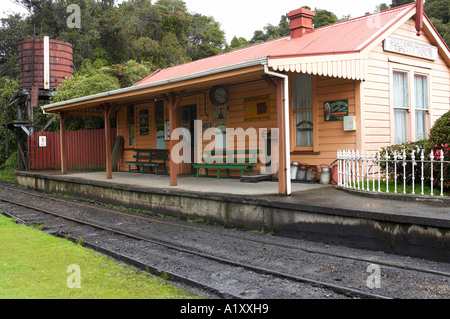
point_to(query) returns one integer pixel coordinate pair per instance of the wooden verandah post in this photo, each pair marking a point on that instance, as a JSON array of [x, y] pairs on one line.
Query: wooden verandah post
[[62, 130], [282, 169], [107, 110], [173, 101], [279, 89]]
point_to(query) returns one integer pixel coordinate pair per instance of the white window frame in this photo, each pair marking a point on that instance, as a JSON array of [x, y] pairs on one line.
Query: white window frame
[[411, 71], [418, 109], [404, 106], [315, 145]]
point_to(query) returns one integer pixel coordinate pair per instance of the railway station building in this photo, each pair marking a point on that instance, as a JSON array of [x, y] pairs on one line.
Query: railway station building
[[364, 83]]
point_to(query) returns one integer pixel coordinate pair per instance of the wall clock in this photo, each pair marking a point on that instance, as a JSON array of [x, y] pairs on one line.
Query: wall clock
[[218, 95]]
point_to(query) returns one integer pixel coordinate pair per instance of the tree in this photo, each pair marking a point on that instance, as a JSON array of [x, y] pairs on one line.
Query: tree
[[205, 37], [144, 28], [133, 30], [397, 3], [128, 73], [437, 10], [171, 52], [237, 43], [87, 81], [12, 29], [271, 32], [8, 86], [323, 18], [439, 13], [382, 7]]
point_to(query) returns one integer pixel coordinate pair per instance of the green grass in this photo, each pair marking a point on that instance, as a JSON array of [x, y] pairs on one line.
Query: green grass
[[34, 265], [7, 176], [417, 188]]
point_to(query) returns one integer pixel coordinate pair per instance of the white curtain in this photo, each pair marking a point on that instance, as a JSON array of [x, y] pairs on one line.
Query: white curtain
[[401, 91], [421, 125], [304, 128], [421, 91], [302, 100], [400, 126], [302, 92], [401, 103], [421, 98]]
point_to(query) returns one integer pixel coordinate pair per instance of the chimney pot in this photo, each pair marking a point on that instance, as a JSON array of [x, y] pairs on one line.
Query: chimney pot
[[301, 22]]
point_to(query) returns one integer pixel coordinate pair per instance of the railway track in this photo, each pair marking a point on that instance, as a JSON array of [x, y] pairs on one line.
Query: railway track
[[197, 252]]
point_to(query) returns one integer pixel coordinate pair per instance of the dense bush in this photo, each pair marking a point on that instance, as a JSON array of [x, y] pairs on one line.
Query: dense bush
[[408, 148], [440, 132], [8, 167], [439, 143]]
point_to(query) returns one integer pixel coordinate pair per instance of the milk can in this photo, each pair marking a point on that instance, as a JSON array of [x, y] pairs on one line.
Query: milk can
[[294, 170], [325, 175], [311, 173], [301, 174]]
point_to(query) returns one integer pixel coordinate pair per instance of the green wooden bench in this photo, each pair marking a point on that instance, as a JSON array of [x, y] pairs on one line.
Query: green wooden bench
[[151, 158], [228, 161]]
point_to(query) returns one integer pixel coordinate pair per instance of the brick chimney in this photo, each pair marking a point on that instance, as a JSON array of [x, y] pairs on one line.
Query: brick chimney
[[419, 16], [301, 22]]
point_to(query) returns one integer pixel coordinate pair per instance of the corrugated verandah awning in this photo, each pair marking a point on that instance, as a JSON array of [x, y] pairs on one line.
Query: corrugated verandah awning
[[348, 66]]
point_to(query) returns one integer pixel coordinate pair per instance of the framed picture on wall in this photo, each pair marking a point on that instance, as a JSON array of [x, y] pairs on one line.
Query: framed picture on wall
[[335, 110], [256, 108]]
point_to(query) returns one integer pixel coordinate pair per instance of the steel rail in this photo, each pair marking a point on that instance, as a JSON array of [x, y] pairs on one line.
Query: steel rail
[[309, 250], [336, 288]]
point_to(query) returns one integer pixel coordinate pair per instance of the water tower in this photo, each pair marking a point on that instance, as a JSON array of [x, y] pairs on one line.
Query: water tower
[[43, 65]]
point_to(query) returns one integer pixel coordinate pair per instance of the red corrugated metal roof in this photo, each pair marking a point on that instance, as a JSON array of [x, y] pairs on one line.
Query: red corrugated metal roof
[[349, 36]]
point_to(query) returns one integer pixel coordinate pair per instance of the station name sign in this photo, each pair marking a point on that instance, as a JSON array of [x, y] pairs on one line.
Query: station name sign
[[411, 48]]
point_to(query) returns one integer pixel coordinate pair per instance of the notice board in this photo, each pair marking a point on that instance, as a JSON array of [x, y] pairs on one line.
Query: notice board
[[335, 110]]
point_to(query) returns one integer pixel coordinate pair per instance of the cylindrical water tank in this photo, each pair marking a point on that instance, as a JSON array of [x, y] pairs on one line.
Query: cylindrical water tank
[[44, 63]]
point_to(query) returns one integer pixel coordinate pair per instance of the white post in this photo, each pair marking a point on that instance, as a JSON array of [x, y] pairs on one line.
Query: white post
[[442, 173], [422, 158], [353, 169], [387, 172], [349, 169], [46, 63], [413, 158], [373, 171], [395, 172], [357, 167], [339, 167], [379, 171], [404, 172], [432, 179], [367, 170], [344, 168], [362, 170]]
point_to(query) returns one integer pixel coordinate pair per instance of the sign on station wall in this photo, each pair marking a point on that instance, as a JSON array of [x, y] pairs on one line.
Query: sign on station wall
[[335, 110]]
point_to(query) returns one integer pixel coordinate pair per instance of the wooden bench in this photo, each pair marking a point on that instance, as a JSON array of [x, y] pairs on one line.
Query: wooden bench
[[151, 158], [228, 161]]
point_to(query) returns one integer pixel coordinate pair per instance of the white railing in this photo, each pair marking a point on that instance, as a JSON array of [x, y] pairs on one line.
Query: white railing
[[371, 171]]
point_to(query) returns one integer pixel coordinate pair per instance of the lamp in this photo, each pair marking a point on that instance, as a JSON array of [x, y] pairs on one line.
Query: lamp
[[221, 117]]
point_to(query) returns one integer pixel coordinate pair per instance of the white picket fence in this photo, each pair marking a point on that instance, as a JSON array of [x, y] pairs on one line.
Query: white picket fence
[[365, 171]]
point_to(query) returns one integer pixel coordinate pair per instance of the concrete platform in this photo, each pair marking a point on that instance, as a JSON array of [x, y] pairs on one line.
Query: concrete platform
[[416, 226]]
